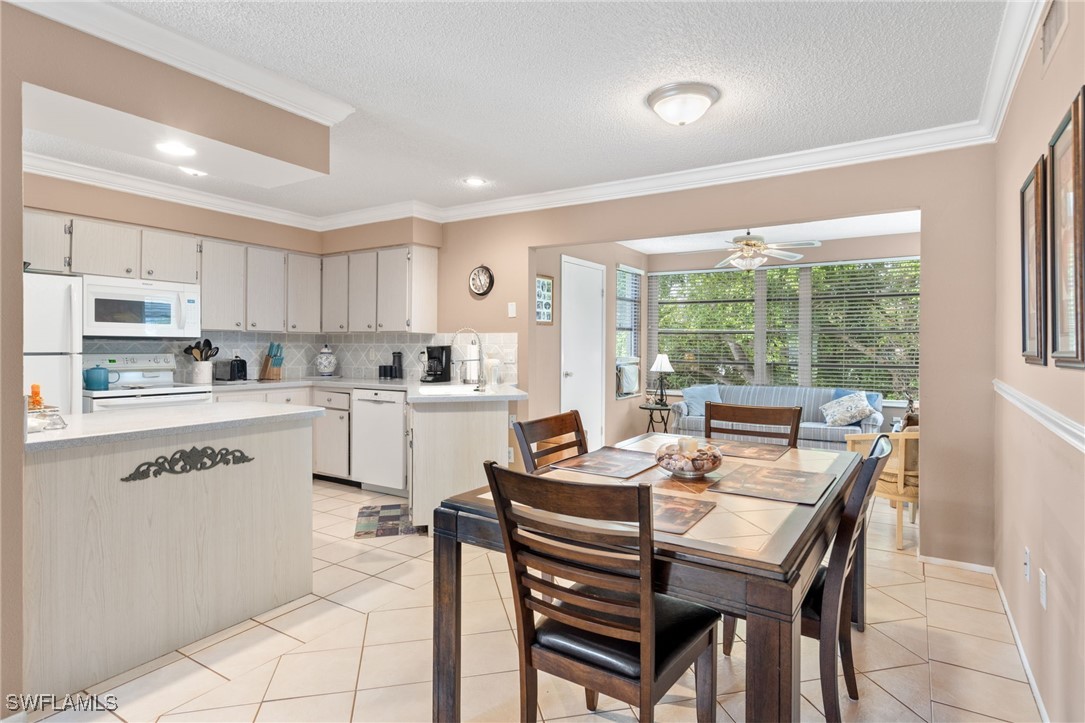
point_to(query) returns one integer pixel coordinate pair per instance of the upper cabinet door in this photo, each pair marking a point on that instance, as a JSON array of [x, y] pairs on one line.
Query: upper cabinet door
[[335, 294], [265, 292], [362, 308], [302, 293], [423, 316], [222, 286], [393, 289], [170, 257], [106, 249], [46, 242]]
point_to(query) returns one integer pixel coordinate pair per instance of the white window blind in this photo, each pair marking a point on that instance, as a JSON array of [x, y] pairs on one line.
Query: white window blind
[[627, 311], [829, 325]]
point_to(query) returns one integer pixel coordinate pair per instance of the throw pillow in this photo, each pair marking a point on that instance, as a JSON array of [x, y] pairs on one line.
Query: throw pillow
[[846, 410], [695, 397], [872, 398]]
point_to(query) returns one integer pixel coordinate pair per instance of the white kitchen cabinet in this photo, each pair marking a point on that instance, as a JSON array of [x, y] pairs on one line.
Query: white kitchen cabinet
[[105, 249], [407, 289], [47, 245], [265, 289], [362, 306], [331, 441], [239, 396], [335, 294], [169, 257], [299, 396], [302, 293], [222, 286]]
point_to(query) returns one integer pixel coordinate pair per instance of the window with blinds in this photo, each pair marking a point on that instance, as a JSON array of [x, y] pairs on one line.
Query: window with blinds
[[831, 325], [627, 324]]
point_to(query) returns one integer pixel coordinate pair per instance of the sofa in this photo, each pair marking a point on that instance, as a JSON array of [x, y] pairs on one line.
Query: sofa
[[814, 433]]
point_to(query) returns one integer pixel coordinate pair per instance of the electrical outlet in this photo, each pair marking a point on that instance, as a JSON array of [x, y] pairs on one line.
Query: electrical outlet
[[1043, 589], [512, 456], [512, 420], [1028, 566]]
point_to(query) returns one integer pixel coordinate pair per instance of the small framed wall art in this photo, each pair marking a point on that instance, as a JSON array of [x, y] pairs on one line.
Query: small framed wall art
[[1066, 239], [1033, 267], [544, 299]]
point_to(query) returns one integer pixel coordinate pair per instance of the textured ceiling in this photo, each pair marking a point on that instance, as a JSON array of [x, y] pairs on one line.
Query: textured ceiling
[[545, 96]]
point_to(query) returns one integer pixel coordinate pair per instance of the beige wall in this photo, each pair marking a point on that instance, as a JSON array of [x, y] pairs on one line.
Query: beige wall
[[954, 191], [43, 53], [849, 249], [622, 417], [80, 199], [1039, 480]]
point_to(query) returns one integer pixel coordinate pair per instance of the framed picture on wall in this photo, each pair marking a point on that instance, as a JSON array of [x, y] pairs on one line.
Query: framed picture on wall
[[544, 299], [1033, 267], [1066, 278]]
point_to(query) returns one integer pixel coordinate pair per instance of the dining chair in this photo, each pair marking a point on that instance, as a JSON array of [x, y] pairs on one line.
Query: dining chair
[[726, 418], [826, 609], [899, 481], [552, 438], [609, 632]]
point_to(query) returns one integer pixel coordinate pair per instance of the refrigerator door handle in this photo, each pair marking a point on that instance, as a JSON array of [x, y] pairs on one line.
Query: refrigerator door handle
[[75, 297]]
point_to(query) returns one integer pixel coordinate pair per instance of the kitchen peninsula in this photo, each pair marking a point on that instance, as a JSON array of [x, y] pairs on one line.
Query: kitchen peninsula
[[146, 531]]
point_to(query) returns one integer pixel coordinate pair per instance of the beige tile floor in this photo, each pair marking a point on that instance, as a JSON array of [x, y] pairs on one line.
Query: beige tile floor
[[938, 646]]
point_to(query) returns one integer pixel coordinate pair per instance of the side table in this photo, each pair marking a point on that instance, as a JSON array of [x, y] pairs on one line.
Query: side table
[[664, 415]]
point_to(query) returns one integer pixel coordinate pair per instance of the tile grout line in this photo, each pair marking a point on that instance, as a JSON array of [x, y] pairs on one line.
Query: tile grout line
[[930, 690]]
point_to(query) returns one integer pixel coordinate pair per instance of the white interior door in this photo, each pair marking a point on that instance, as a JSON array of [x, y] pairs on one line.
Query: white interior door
[[583, 334]]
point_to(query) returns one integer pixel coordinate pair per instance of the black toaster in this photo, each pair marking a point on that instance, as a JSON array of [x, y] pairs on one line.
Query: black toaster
[[232, 370]]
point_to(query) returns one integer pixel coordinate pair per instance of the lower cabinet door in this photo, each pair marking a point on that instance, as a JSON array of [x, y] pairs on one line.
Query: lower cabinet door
[[331, 443]]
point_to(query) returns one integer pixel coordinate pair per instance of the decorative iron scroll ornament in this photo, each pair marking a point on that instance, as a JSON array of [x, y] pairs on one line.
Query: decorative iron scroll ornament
[[184, 461]]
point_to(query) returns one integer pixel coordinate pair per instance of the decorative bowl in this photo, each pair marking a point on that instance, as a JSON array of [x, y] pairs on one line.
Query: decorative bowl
[[688, 461]]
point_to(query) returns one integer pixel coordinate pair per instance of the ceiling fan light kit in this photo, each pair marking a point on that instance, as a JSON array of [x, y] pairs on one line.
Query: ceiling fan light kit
[[682, 103], [751, 251]]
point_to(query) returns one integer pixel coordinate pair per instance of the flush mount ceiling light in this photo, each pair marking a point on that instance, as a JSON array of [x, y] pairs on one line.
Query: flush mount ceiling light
[[176, 148], [682, 103], [475, 181], [192, 171]]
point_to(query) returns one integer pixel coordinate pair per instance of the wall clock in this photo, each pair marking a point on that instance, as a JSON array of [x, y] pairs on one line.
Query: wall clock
[[481, 280]]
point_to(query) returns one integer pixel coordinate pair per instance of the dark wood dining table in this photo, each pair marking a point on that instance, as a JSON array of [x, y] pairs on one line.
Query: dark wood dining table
[[749, 556]]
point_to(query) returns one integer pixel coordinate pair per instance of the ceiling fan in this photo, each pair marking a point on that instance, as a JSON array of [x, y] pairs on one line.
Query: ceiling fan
[[751, 251]]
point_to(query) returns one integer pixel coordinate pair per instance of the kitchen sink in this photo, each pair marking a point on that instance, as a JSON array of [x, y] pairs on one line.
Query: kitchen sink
[[448, 389]]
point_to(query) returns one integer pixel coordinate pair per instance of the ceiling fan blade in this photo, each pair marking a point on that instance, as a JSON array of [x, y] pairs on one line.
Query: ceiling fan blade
[[785, 255], [794, 244], [727, 260]]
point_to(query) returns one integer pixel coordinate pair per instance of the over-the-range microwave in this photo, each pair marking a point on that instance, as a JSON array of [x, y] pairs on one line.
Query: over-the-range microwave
[[140, 308]]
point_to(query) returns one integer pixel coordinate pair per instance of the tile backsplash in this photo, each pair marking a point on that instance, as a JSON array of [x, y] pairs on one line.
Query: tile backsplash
[[359, 354]]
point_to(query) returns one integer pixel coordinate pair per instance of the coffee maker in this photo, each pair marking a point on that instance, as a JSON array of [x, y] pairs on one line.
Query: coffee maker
[[438, 364]]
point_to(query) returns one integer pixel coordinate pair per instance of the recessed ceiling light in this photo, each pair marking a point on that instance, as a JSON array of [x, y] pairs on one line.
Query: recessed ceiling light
[[176, 148], [682, 103], [475, 181], [192, 171]]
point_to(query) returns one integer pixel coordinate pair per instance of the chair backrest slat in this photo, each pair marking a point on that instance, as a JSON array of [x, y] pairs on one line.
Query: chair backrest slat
[[723, 418], [620, 603], [542, 441]]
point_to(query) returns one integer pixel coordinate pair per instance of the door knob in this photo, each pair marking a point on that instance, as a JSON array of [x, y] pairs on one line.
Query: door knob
[[566, 374]]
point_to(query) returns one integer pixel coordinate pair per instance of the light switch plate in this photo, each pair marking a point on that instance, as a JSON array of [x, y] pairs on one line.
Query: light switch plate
[[1043, 589], [512, 309]]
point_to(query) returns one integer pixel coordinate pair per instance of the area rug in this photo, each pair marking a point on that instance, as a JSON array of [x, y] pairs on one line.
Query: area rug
[[384, 521]]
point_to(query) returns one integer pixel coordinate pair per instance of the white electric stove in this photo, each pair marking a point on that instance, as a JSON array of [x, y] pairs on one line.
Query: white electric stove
[[141, 380]]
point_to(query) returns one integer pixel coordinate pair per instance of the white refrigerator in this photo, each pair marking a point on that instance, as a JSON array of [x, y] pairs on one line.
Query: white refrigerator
[[53, 339]]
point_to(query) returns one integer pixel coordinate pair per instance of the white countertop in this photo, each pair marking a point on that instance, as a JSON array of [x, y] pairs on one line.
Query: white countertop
[[434, 393], [123, 424]]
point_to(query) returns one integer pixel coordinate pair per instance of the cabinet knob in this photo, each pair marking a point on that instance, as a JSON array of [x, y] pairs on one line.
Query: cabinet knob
[[340, 326], [288, 400], [253, 324], [380, 325], [237, 323], [341, 416], [128, 270], [368, 326], [329, 400], [150, 272], [293, 326]]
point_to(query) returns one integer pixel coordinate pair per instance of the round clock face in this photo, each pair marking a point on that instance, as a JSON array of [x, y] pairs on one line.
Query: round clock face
[[481, 280]]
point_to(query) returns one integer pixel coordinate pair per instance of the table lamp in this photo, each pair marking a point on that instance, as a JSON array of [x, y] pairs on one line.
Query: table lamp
[[662, 365]]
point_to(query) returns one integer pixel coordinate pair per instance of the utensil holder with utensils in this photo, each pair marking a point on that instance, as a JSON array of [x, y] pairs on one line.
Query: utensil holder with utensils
[[202, 372]]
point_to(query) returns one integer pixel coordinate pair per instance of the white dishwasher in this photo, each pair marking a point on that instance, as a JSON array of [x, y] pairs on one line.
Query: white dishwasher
[[378, 438]]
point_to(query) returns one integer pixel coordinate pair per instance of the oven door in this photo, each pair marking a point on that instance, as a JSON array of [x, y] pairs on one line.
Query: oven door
[[161, 400], [137, 308]]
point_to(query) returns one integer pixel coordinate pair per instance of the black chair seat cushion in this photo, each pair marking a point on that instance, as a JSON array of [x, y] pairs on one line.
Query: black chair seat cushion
[[811, 604], [677, 624]]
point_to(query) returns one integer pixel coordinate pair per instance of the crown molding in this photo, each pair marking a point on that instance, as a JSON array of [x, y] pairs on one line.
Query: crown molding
[[67, 171], [387, 212], [1011, 50], [114, 25]]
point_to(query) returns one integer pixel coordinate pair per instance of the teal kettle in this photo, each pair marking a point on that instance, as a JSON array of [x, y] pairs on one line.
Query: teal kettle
[[96, 379]]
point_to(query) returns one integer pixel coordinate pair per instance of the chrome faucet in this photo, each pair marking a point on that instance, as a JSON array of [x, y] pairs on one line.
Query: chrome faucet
[[480, 381]]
